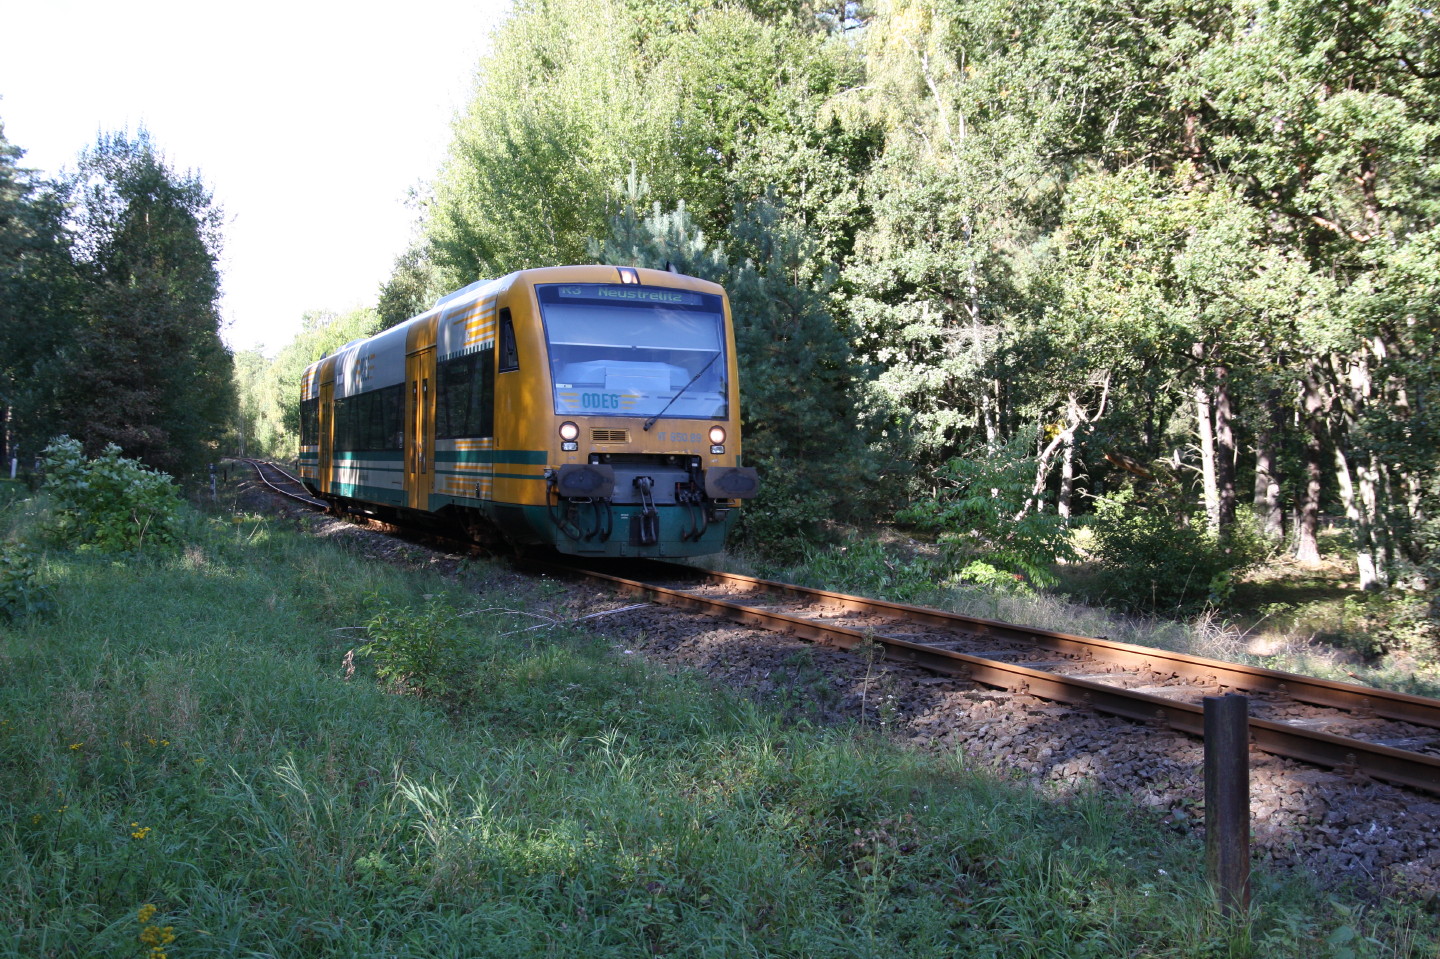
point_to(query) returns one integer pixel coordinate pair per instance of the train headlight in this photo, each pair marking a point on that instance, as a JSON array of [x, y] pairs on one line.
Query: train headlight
[[569, 433], [717, 435]]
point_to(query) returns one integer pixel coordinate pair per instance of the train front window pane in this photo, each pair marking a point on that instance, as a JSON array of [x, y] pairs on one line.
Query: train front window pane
[[629, 351]]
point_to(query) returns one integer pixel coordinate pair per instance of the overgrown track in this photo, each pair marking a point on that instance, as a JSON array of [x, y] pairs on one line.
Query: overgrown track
[[285, 484], [1390, 736]]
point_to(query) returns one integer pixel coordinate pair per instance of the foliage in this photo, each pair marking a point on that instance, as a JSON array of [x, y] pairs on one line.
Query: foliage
[[1155, 557], [269, 389], [38, 299], [109, 503], [992, 530], [1398, 621], [412, 288], [109, 318], [864, 567], [415, 648], [20, 595], [146, 370], [781, 523]]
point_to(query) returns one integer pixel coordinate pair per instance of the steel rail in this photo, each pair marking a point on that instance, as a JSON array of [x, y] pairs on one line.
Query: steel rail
[[1363, 700], [260, 467], [1339, 752]]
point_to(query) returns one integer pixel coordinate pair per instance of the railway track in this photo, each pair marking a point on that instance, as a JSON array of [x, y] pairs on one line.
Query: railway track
[[282, 482], [1390, 736]]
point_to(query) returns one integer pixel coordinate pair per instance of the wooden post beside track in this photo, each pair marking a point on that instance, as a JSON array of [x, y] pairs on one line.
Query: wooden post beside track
[[1227, 802]]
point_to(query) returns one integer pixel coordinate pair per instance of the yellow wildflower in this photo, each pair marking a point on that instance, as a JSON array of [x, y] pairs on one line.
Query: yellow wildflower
[[146, 912], [140, 832]]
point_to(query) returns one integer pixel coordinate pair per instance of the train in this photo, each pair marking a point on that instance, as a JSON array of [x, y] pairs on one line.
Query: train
[[590, 410]]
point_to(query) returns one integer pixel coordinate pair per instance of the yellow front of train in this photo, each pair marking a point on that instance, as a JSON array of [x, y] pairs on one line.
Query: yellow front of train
[[621, 405]]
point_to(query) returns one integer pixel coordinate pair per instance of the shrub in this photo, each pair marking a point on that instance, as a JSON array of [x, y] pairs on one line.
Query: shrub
[[864, 568], [989, 529], [20, 595], [108, 503], [784, 520], [420, 650], [1155, 558]]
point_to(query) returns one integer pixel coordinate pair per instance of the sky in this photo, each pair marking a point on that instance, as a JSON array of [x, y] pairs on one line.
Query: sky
[[311, 122]]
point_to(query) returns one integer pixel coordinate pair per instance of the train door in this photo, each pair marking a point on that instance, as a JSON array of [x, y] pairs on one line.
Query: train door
[[420, 427], [327, 434]]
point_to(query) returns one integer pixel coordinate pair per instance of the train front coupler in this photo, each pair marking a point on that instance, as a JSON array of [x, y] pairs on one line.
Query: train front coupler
[[575, 486]]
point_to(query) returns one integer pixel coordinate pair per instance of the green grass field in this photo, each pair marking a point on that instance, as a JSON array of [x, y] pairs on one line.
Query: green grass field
[[198, 758]]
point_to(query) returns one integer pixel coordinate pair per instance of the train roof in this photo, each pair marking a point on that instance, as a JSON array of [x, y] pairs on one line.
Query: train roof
[[542, 273]]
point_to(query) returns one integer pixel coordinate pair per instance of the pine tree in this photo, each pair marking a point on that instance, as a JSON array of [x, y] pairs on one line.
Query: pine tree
[[149, 372], [37, 293]]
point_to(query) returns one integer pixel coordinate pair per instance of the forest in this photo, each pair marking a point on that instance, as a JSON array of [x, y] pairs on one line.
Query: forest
[[1151, 285], [1000, 268]]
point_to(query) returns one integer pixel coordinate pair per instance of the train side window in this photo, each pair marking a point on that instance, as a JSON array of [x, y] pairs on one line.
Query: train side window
[[310, 421], [342, 423], [444, 393], [509, 356], [393, 400], [465, 395]]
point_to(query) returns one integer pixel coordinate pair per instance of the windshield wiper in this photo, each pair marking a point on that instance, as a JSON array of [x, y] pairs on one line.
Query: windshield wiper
[[651, 421]]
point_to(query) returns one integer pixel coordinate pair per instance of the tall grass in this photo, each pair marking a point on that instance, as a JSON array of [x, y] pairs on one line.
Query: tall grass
[[194, 766]]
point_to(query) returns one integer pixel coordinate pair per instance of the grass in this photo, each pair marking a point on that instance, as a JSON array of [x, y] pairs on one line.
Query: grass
[[194, 765]]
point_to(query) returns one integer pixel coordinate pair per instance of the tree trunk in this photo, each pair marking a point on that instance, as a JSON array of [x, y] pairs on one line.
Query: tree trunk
[[1224, 449], [1267, 485], [1307, 513], [1207, 457], [1307, 543], [1364, 551], [1067, 479], [1375, 540]]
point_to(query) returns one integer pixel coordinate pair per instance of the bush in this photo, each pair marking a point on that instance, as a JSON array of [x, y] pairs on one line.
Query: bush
[[420, 650], [20, 595], [108, 503], [990, 531], [784, 520], [1154, 558], [864, 568]]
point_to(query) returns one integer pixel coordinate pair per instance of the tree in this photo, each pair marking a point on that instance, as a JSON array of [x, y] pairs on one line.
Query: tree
[[149, 372], [37, 299], [562, 108], [952, 263], [269, 390], [411, 289]]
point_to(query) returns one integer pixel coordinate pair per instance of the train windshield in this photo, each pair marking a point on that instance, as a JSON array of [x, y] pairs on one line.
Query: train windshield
[[631, 350]]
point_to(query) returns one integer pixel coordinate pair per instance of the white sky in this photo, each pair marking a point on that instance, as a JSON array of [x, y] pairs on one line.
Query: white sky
[[310, 122]]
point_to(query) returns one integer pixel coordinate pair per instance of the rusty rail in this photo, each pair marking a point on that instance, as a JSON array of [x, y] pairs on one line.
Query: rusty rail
[[1399, 766]]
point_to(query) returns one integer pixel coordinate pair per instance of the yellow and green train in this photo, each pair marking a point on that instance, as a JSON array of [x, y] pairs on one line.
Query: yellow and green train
[[592, 409]]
